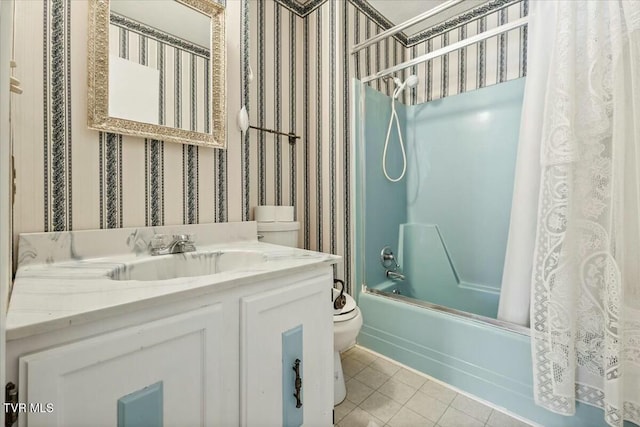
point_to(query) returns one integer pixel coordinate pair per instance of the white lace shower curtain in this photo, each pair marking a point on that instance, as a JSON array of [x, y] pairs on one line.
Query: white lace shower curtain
[[585, 299]]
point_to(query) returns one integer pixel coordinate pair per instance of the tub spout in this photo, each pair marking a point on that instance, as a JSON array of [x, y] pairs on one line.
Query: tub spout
[[394, 275]]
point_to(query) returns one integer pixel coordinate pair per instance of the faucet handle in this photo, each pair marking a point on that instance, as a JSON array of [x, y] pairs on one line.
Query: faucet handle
[[388, 259], [160, 241], [187, 238]]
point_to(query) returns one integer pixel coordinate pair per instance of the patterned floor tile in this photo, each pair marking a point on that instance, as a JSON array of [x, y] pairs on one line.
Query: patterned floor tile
[[371, 377], [360, 418], [380, 406], [472, 408], [407, 418], [499, 419], [438, 391], [343, 409], [351, 367], [380, 391], [357, 392], [410, 378], [397, 390], [384, 366], [427, 406], [454, 418]]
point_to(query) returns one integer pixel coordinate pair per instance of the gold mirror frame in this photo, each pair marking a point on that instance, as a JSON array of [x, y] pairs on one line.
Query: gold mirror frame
[[98, 90]]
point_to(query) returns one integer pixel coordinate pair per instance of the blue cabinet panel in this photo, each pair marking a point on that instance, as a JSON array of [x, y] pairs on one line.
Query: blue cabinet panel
[[142, 408], [292, 416]]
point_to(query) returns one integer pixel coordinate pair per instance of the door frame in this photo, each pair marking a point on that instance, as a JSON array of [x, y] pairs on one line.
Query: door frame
[[6, 178]]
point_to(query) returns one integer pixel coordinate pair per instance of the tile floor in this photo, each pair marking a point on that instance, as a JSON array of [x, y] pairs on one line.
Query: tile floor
[[384, 393]]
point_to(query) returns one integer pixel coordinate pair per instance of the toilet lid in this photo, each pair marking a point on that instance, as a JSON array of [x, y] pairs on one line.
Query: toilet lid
[[348, 311]]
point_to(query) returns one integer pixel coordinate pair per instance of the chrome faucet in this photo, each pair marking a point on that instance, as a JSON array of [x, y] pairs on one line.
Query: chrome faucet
[[180, 243], [390, 265], [394, 275]]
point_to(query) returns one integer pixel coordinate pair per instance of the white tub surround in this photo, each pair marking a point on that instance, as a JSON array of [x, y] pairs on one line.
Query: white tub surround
[[76, 318]]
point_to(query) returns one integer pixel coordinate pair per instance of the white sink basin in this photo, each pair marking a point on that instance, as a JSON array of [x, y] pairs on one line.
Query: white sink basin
[[191, 264]]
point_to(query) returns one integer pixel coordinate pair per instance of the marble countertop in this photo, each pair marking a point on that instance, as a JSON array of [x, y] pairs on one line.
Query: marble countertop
[[66, 278]]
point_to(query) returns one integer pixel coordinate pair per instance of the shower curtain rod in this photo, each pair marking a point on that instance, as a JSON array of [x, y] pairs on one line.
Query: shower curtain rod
[[448, 49], [406, 24]]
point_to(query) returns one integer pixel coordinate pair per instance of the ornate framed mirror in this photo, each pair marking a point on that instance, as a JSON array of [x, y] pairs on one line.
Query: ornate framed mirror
[[157, 70]]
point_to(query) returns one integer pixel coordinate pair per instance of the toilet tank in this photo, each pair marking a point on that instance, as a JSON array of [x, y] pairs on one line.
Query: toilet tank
[[283, 233]]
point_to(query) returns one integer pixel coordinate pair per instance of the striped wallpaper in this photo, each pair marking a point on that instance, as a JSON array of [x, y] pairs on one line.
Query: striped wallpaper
[[69, 177], [495, 60]]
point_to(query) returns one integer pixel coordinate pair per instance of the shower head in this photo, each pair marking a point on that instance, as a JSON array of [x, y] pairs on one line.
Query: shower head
[[410, 82]]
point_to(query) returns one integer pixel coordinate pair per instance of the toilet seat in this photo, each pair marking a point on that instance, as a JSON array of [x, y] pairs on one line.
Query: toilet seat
[[345, 316]]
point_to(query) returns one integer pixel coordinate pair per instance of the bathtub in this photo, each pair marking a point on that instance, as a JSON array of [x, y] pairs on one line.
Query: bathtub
[[397, 291], [476, 354]]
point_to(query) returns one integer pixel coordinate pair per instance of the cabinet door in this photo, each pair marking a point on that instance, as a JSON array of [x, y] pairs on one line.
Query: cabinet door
[[170, 365], [300, 310]]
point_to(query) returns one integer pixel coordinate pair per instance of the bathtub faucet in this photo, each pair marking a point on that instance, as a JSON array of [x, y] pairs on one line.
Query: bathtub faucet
[[394, 275]]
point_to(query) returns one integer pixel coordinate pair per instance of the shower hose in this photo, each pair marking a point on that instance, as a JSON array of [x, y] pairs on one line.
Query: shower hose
[[394, 117]]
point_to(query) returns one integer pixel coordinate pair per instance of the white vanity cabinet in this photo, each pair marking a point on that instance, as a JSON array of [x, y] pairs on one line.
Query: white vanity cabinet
[[86, 382], [209, 359]]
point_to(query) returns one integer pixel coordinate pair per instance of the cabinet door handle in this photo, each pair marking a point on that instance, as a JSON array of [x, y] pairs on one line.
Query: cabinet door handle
[[298, 383]]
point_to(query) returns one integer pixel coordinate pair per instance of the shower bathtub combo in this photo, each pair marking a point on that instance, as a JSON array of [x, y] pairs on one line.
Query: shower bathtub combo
[[430, 248]]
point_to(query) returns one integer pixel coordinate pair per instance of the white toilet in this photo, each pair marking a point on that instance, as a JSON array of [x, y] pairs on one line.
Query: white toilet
[[276, 226], [283, 233], [347, 322]]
